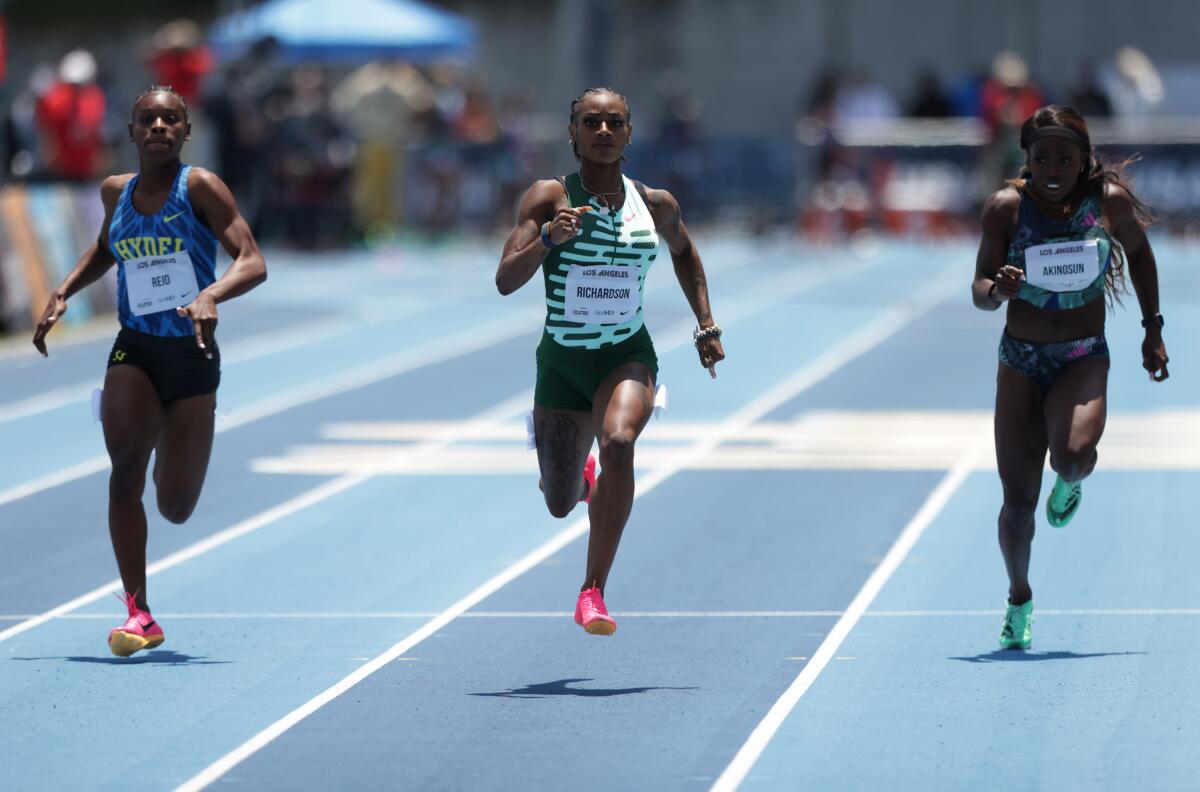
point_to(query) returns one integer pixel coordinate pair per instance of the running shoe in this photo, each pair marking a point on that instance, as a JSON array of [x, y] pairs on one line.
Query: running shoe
[[1063, 502], [591, 615], [589, 476], [139, 631], [1015, 633]]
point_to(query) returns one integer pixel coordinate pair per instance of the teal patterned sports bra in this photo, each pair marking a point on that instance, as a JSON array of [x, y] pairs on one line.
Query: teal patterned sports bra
[[1064, 261]]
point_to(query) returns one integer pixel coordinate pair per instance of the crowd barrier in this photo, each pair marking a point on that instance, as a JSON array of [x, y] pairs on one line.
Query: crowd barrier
[[44, 228]]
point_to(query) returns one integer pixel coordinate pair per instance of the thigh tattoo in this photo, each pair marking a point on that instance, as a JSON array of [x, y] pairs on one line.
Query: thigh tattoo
[[558, 454]]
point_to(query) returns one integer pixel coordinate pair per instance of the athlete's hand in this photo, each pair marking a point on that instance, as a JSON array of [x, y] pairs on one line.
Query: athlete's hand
[[203, 313], [55, 308], [566, 223], [1154, 355], [711, 353], [1008, 282]]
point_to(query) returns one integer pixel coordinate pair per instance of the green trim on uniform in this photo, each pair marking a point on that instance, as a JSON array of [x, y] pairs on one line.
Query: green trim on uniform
[[568, 377]]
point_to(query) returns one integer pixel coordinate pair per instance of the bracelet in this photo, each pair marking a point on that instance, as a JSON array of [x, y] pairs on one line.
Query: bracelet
[[701, 333], [546, 240], [991, 289]]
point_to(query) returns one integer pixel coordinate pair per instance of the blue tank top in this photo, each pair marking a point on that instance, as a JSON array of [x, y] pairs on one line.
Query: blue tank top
[[1078, 242], [142, 244]]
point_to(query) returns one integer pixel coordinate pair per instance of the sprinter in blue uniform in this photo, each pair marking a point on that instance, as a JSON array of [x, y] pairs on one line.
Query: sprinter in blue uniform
[[161, 228]]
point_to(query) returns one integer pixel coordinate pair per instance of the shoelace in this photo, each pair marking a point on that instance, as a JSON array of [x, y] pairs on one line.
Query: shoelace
[[130, 603]]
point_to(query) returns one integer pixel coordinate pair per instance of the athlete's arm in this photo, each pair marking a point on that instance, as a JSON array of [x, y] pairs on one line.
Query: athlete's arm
[[545, 201], [215, 206], [995, 281], [689, 270], [1118, 210], [95, 261]]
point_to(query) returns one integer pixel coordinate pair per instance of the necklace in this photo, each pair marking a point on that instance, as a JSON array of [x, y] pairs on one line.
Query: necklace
[[603, 196]]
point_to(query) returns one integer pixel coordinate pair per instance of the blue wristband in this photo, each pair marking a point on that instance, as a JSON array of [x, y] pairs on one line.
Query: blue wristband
[[546, 240]]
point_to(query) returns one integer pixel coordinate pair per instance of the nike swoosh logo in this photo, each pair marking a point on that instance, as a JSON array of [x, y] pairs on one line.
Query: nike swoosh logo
[[185, 294], [172, 217]]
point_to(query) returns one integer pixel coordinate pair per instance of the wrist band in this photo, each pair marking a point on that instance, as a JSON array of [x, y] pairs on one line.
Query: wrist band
[[546, 240], [990, 291], [701, 333]]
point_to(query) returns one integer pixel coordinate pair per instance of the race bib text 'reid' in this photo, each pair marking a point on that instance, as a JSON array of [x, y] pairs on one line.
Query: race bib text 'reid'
[[160, 283]]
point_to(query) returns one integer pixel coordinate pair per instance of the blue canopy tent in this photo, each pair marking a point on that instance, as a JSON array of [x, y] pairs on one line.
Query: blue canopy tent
[[346, 31]]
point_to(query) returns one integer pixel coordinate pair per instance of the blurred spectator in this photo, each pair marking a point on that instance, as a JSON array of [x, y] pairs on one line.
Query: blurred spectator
[[679, 135], [1134, 85], [966, 92], [1086, 96], [313, 155], [930, 100], [179, 58], [24, 148], [519, 164], [862, 97], [1008, 97], [235, 108], [71, 118], [436, 203], [378, 102]]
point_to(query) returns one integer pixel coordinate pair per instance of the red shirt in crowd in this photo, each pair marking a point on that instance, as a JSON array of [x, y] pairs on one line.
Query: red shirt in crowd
[[71, 119]]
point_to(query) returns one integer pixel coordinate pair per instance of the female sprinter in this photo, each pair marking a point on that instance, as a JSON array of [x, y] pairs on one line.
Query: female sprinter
[[594, 234], [1057, 241], [161, 228]]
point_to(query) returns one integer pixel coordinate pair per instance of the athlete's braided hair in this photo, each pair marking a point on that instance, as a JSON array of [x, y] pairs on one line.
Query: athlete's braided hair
[[597, 90], [153, 89]]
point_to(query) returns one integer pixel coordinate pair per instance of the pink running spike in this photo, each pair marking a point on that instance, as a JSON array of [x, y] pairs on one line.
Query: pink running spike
[[589, 475], [139, 631], [592, 615]]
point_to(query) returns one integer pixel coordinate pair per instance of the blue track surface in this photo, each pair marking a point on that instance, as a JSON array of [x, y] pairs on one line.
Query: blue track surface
[[369, 463]]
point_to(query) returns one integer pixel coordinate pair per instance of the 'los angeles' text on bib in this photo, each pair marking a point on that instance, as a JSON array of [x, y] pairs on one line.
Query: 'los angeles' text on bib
[[1063, 266], [602, 294], [160, 283]]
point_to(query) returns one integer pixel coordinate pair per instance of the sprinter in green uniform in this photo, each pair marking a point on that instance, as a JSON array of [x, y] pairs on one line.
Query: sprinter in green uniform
[[594, 235]]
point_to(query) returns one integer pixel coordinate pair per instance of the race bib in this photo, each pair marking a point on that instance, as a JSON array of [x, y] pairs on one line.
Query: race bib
[[160, 283], [1063, 266], [602, 294]]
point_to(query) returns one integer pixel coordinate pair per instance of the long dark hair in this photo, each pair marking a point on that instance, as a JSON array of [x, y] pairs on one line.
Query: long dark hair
[[1096, 174]]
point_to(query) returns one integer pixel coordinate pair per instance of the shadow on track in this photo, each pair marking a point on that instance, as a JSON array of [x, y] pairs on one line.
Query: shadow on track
[[160, 657], [560, 687], [1019, 656]]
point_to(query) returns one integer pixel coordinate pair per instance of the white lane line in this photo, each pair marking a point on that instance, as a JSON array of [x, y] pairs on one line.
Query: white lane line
[[296, 504], [327, 490], [748, 754], [857, 344], [237, 352], [763, 614], [481, 424], [460, 344], [755, 301]]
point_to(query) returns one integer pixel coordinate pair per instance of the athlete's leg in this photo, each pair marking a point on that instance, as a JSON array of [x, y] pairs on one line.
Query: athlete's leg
[[1076, 408], [131, 415], [623, 404], [564, 438], [1020, 456], [181, 454]]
